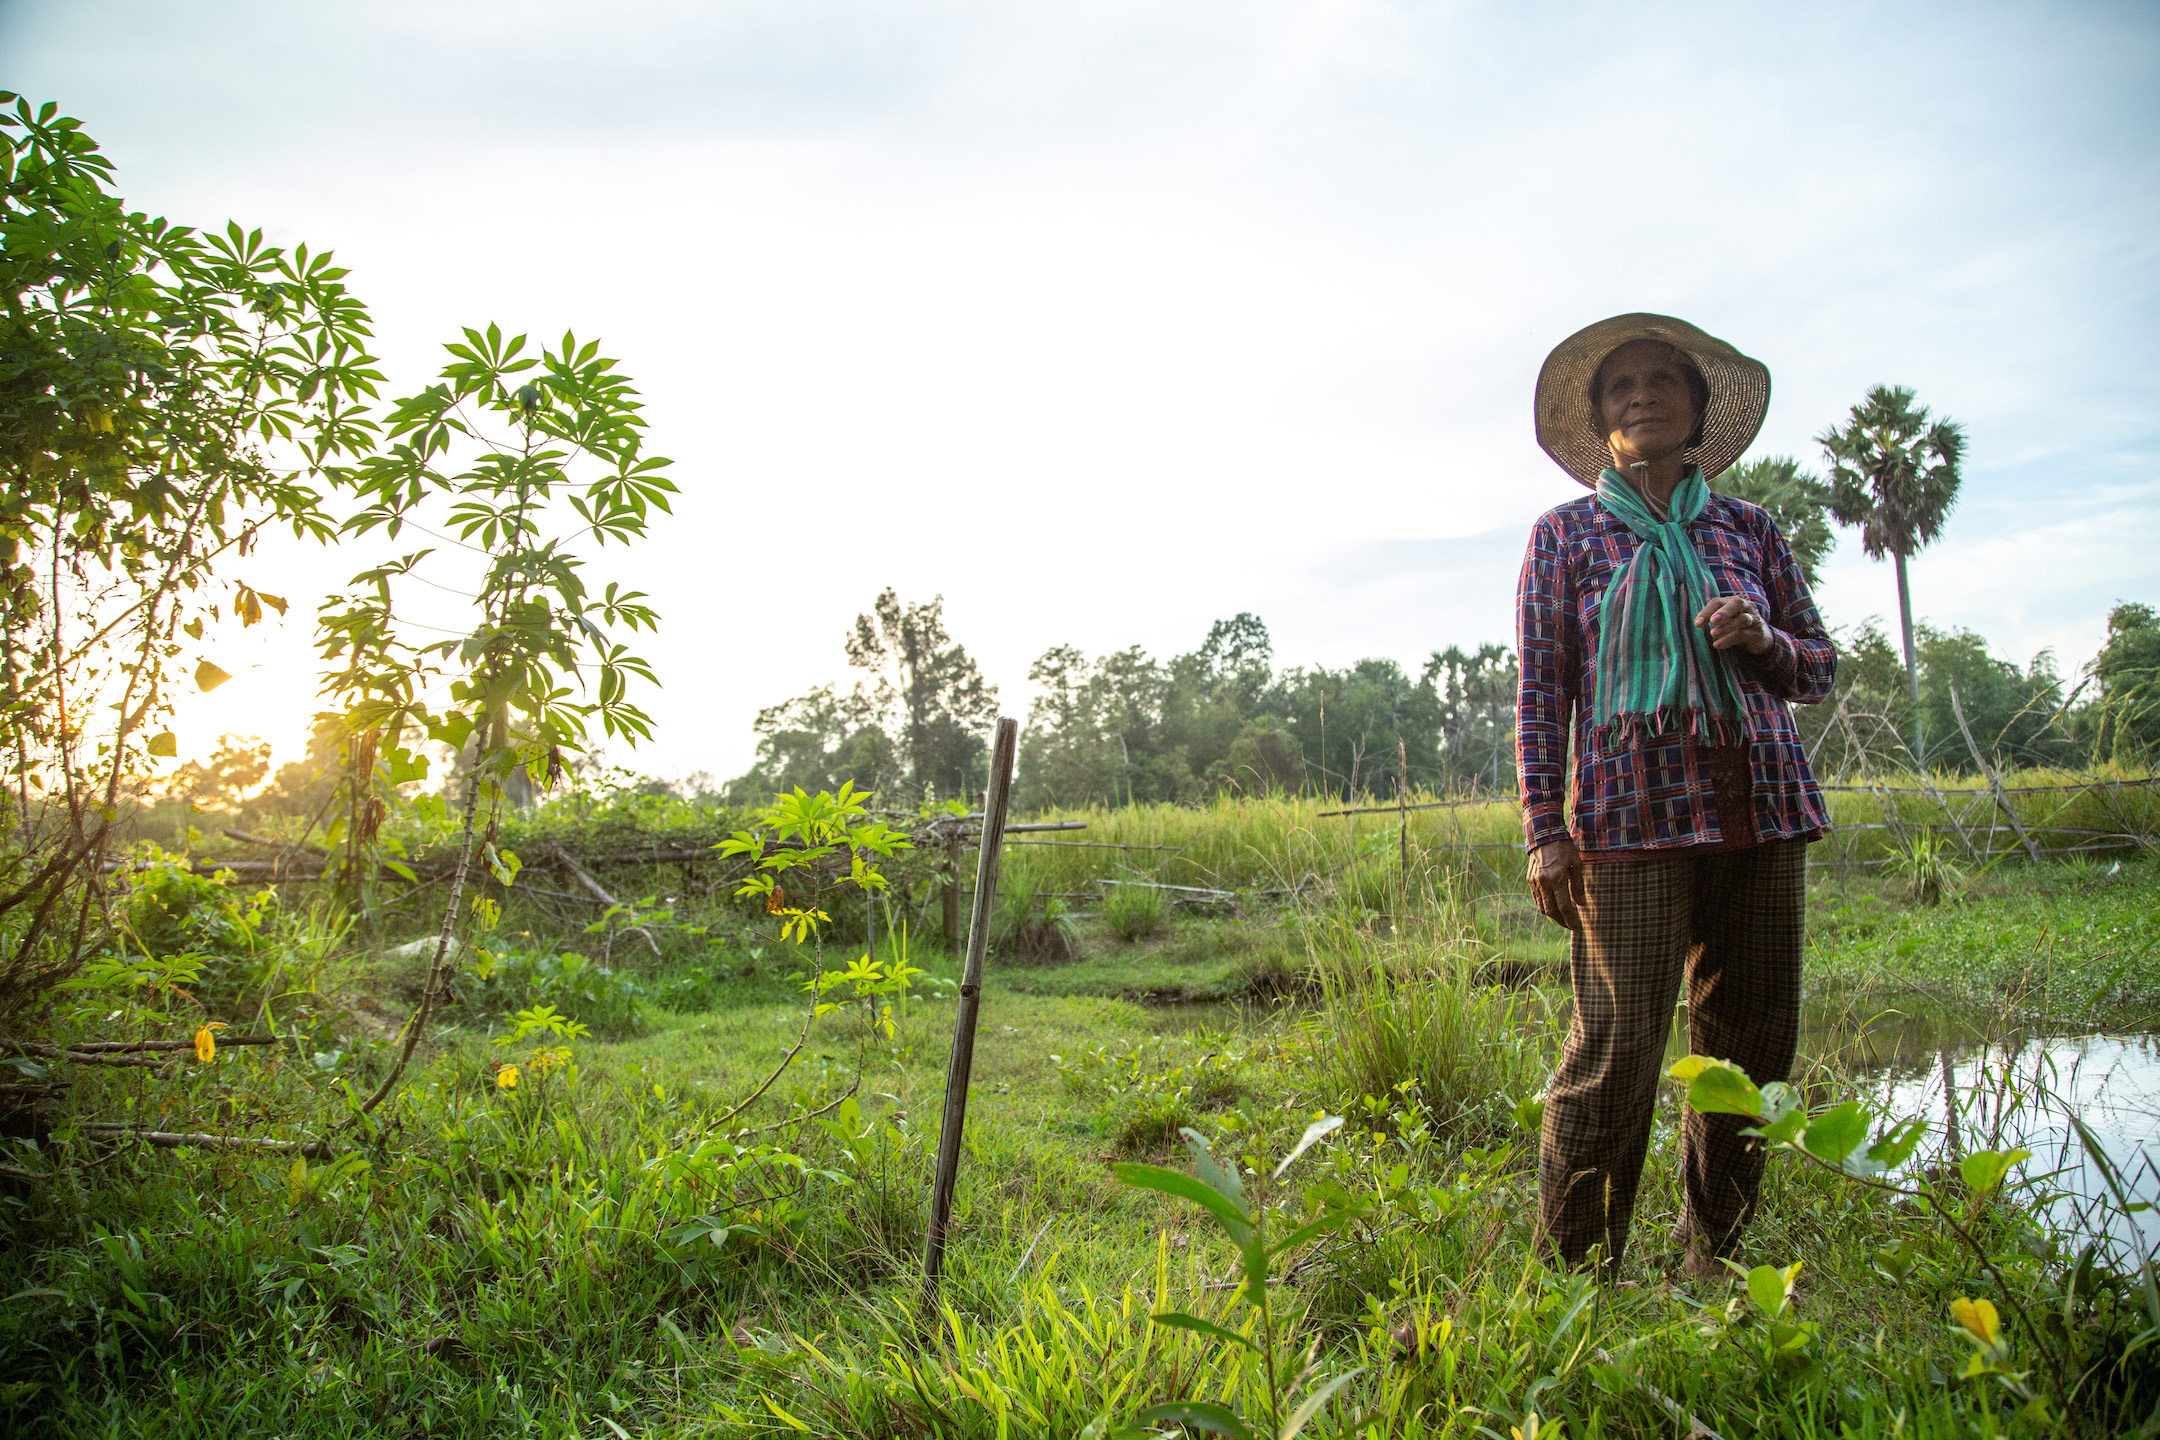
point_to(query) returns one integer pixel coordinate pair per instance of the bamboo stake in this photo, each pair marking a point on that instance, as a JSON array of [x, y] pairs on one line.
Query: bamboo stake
[[1402, 807], [949, 898], [962, 1062], [2032, 851]]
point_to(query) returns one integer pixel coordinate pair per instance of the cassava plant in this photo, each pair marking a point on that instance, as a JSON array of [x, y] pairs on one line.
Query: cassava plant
[[528, 454], [167, 397], [803, 849]]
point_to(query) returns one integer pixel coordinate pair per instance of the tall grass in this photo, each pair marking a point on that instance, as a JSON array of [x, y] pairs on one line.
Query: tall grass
[[1133, 912], [1404, 1011], [1283, 843]]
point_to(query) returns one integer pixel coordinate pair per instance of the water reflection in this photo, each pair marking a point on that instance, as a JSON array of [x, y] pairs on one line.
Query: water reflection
[[2018, 1094]]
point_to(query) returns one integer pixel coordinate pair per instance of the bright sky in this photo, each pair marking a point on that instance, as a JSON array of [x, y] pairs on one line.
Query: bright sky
[[1106, 320]]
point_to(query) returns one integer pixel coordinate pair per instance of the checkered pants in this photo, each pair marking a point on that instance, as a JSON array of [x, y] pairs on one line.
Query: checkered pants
[[1731, 923]]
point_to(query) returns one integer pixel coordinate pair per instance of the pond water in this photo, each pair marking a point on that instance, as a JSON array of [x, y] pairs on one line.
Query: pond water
[[2019, 1093]]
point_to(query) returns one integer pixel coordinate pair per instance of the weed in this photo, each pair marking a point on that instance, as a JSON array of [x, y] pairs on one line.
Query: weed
[[1925, 865], [499, 984], [1030, 926], [1142, 1106], [1134, 912]]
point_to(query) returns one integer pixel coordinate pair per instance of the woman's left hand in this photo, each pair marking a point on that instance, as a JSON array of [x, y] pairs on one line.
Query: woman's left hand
[[1733, 620]]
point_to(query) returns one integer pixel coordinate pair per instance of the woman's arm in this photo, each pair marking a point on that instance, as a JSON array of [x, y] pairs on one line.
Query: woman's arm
[[1800, 663], [1548, 647]]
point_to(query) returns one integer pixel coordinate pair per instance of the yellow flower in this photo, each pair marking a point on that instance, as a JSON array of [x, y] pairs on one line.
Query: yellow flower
[[506, 1078], [1979, 1319], [206, 1043]]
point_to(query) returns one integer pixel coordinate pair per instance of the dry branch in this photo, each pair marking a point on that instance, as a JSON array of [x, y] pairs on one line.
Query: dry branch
[[170, 1140]]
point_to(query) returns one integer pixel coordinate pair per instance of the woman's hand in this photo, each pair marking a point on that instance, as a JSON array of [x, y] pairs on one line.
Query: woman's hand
[[1556, 882], [1732, 620]]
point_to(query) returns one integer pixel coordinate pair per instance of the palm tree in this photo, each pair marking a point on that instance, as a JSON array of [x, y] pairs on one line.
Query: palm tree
[[1794, 498], [1895, 475]]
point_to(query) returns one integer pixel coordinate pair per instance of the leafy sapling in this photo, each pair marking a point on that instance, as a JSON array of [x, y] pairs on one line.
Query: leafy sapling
[[1219, 1191]]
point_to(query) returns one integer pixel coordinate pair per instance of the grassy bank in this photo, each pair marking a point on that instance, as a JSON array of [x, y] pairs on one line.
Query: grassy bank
[[591, 1253]]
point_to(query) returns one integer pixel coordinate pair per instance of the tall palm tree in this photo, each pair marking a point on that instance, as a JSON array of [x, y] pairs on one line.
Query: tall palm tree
[[1895, 474]]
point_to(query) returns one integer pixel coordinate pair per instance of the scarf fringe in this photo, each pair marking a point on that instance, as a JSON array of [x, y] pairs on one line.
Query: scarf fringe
[[1636, 730]]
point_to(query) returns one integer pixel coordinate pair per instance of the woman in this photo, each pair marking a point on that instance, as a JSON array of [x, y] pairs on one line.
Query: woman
[[1663, 628]]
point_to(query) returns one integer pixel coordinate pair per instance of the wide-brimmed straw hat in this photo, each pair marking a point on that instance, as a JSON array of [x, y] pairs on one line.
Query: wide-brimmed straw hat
[[1567, 431]]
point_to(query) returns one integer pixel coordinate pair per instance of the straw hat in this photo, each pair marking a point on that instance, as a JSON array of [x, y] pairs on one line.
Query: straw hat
[[1567, 431]]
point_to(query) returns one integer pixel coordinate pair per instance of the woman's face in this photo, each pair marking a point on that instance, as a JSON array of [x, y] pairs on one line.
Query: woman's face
[[1644, 402]]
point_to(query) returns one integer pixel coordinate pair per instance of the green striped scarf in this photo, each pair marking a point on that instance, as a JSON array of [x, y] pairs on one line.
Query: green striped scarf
[[1657, 673]]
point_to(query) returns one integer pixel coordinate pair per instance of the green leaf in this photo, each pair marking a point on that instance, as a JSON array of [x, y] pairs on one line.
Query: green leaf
[[1306, 1232], [1302, 1416], [1314, 1133], [1836, 1133], [1224, 1182], [1723, 1088], [1198, 1415], [1255, 1252], [1685, 1070], [1769, 1286], [1529, 1115], [163, 744], [1983, 1170], [208, 677], [1778, 1101], [1185, 1187], [1897, 1145], [1178, 1320]]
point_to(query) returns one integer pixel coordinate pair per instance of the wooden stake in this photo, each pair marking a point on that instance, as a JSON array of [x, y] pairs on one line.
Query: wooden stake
[[2002, 801], [949, 902], [1402, 806], [962, 1062]]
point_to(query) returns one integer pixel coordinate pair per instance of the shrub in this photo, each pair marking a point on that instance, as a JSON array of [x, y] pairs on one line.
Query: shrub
[[1405, 1008], [499, 984], [1133, 911], [1046, 938], [170, 910], [1925, 864], [1142, 1107]]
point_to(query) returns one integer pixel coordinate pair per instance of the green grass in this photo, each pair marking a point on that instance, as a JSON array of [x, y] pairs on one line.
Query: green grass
[[501, 1264]]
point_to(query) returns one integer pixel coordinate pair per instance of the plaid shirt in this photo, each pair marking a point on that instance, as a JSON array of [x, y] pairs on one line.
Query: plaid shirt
[[1660, 797]]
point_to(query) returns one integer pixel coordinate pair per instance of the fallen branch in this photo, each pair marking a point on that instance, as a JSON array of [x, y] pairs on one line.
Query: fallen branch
[[168, 1140], [119, 1054], [584, 877], [115, 1047], [580, 874], [269, 844]]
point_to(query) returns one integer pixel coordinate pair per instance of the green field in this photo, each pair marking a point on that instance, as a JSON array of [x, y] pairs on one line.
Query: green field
[[585, 1255]]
